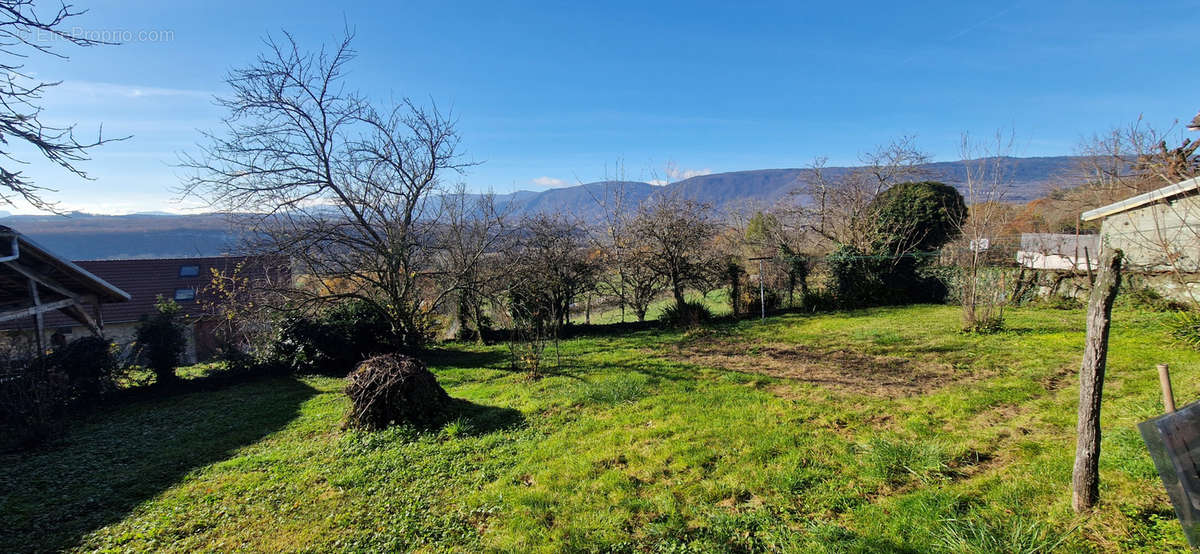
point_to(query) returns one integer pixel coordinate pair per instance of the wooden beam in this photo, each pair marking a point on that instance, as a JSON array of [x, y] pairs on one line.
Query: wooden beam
[[43, 308], [77, 312], [42, 279], [98, 313], [39, 320]]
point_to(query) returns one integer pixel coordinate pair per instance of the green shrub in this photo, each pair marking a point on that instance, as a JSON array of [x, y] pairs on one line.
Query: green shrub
[[334, 341], [751, 301], [34, 400], [984, 325], [910, 218], [856, 279], [917, 216], [161, 340], [1185, 328], [818, 301], [31, 406], [90, 365], [688, 314], [1147, 298]]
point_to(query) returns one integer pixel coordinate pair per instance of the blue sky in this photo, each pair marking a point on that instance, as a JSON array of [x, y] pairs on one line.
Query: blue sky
[[553, 94]]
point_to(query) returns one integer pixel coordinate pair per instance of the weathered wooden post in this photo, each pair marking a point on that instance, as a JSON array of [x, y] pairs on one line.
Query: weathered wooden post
[[1164, 381], [1171, 440], [1085, 480]]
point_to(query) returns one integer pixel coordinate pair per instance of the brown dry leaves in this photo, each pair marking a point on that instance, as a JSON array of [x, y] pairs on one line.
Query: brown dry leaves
[[839, 369]]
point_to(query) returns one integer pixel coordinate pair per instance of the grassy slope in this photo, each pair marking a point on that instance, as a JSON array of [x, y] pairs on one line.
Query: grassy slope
[[625, 450]]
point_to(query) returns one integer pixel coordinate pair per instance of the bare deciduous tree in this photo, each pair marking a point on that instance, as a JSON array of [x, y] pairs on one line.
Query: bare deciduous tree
[[344, 190], [554, 264], [550, 264], [23, 33], [627, 275], [472, 235], [987, 168], [677, 232], [835, 204]]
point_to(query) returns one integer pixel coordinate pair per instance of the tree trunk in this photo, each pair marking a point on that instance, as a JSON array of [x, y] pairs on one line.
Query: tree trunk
[[735, 290], [791, 289], [1085, 480], [677, 291], [1019, 288], [1058, 279], [477, 315], [464, 317]]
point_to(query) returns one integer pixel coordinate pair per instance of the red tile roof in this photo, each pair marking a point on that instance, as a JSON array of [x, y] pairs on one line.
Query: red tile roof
[[147, 279]]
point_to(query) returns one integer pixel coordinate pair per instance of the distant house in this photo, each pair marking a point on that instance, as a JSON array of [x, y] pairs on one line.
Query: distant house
[[183, 280], [1057, 251], [1158, 231]]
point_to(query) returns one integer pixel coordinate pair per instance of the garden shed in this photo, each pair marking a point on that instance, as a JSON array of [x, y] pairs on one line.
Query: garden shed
[[1159, 231]]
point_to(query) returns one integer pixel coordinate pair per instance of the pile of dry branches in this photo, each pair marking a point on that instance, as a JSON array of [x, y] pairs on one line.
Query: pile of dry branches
[[394, 388]]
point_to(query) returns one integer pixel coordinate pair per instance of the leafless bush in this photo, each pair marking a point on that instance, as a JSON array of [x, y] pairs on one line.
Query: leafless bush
[[984, 291], [550, 264]]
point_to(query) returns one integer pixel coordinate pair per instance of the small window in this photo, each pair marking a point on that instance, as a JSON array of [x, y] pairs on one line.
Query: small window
[[185, 295], [189, 271]]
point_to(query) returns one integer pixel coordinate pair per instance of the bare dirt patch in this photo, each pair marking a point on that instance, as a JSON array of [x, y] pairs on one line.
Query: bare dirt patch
[[887, 376], [1059, 379]]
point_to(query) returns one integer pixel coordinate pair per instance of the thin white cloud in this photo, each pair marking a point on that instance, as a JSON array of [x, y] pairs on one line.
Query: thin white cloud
[[549, 182], [99, 89], [676, 174]]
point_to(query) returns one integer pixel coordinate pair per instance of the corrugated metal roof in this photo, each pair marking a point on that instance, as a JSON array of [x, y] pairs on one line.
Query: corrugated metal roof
[[1142, 199], [69, 273]]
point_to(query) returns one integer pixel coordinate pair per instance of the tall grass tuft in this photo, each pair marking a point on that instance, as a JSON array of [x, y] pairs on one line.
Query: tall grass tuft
[[1185, 328], [1011, 535], [688, 314], [894, 461], [619, 389]]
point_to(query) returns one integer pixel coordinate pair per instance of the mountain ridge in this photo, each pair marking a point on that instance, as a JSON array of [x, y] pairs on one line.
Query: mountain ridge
[[84, 236]]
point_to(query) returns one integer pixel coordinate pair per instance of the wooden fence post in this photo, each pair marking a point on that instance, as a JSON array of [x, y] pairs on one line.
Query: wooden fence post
[[1085, 479], [1164, 380]]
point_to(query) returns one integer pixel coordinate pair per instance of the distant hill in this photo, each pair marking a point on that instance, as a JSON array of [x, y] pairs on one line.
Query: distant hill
[[82, 236], [1029, 179]]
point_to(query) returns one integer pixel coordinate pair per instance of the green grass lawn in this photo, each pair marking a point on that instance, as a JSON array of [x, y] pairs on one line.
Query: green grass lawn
[[880, 430]]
